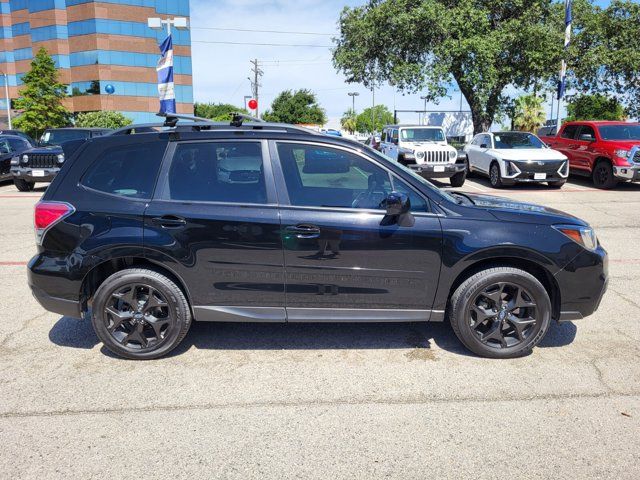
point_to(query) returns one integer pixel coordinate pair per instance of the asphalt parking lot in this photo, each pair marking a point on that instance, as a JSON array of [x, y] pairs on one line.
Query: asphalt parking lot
[[326, 401]]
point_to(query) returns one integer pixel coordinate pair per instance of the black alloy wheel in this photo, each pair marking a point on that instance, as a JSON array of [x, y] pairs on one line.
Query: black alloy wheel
[[138, 317], [603, 175], [23, 185], [495, 179], [502, 315], [140, 314]]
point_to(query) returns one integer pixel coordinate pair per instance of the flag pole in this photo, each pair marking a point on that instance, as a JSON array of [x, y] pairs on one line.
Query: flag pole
[[563, 65]]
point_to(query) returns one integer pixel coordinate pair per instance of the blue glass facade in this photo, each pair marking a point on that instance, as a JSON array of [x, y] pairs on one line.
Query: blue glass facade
[[133, 73]]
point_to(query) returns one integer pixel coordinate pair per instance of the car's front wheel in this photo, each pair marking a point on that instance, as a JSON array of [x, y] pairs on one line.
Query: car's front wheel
[[140, 314], [558, 184], [501, 312], [603, 175], [495, 177], [23, 185]]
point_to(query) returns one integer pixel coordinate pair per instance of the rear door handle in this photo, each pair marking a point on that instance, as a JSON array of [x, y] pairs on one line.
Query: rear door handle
[[304, 231], [169, 221]]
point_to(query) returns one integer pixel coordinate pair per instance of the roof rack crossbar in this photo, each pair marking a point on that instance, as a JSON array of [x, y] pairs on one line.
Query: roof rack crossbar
[[237, 118], [171, 119]]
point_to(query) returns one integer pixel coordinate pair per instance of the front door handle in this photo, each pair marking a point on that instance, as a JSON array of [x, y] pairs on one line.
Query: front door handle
[[169, 221], [304, 230]]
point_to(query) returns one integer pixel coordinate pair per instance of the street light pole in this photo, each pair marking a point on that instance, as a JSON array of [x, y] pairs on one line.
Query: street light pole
[[180, 23], [424, 112], [353, 96], [6, 96]]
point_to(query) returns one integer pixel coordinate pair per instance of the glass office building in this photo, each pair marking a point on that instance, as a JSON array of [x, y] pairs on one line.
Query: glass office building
[[96, 43]]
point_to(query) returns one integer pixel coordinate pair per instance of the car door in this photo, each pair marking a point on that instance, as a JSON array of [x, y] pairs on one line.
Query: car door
[[483, 158], [472, 151], [345, 260], [214, 221], [565, 143], [6, 153], [583, 152]]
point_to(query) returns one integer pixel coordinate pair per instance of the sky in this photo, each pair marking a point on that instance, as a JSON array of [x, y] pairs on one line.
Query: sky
[[220, 70]]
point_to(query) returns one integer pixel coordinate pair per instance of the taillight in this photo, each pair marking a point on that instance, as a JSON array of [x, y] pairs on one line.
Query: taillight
[[47, 214]]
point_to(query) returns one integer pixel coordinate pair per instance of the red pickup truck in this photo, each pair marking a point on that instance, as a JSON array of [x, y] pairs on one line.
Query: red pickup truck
[[608, 152]]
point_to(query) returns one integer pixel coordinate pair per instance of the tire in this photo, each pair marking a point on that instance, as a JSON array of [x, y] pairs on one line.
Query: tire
[[23, 185], [495, 177], [468, 168], [126, 333], [483, 337], [458, 179], [602, 175], [557, 184]]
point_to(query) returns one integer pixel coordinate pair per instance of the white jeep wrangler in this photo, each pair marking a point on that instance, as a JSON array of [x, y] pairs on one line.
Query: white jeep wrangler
[[425, 150]]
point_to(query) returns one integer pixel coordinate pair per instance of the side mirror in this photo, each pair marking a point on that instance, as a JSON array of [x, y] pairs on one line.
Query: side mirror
[[484, 145], [587, 138], [397, 204]]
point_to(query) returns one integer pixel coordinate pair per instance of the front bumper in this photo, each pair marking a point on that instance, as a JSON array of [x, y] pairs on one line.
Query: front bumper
[[531, 172], [438, 170], [582, 283], [30, 174], [630, 173]]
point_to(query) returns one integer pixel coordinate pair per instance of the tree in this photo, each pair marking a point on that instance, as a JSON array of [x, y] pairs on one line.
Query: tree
[[300, 106], [605, 56], [41, 98], [349, 121], [104, 119], [366, 122], [528, 113], [482, 45], [594, 107], [219, 112]]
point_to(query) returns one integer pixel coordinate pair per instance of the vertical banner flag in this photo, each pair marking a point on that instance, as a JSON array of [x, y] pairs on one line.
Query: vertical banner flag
[[567, 40], [166, 88]]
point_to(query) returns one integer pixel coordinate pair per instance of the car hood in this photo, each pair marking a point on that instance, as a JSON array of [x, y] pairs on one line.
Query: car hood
[[426, 145], [522, 154], [50, 149], [514, 211]]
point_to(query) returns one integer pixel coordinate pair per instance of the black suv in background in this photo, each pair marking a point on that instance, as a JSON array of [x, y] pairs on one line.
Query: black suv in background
[[262, 222], [42, 163]]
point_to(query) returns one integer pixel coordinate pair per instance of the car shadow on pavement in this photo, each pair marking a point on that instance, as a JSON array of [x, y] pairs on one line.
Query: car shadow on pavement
[[72, 333]]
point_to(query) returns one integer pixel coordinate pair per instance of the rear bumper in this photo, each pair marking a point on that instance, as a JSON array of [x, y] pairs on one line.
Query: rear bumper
[[429, 170], [55, 284], [27, 174], [61, 306]]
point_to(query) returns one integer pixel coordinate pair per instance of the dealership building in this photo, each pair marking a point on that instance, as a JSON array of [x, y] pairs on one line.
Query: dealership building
[[96, 43]]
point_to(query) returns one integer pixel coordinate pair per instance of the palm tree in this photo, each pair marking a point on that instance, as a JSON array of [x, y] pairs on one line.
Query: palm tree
[[348, 121], [529, 113]]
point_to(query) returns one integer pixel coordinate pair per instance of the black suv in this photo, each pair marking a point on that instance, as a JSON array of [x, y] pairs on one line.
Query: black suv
[[43, 162], [263, 222]]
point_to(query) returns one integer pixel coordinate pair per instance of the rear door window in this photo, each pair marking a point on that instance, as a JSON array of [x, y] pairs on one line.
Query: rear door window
[[569, 131], [217, 172], [126, 170]]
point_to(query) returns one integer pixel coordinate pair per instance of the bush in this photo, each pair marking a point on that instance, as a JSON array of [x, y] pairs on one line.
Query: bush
[[102, 119]]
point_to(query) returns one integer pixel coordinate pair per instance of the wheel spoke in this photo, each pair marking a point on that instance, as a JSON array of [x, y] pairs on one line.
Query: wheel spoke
[[518, 301], [495, 295], [481, 315], [520, 324], [157, 324], [130, 297], [118, 317], [495, 333], [136, 335], [153, 302]]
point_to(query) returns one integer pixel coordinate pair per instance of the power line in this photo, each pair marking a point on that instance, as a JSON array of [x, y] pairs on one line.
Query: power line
[[263, 44], [252, 30]]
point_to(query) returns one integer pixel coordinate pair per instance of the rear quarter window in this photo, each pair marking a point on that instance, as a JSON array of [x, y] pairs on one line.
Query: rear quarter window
[[126, 170]]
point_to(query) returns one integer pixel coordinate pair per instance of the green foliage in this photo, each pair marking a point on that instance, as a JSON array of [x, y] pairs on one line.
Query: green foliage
[[368, 123], [103, 119], [300, 106], [41, 98], [529, 114], [349, 121], [594, 107], [219, 112], [486, 45]]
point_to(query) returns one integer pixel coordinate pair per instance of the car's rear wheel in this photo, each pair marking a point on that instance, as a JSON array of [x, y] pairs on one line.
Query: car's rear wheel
[[140, 314], [501, 312], [557, 184], [603, 175], [23, 185], [458, 179]]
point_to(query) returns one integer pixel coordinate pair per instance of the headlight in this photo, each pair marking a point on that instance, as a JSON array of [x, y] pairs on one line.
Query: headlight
[[60, 157], [25, 158], [419, 155], [15, 161], [622, 153], [453, 154], [585, 236]]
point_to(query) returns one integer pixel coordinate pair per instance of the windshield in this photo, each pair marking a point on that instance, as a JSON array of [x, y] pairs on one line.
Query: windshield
[[511, 140], [422, 135], [58, 137], [413, 174], [620, 132]]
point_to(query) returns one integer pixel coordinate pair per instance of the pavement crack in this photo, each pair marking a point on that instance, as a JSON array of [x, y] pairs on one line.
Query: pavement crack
[[320, 403]]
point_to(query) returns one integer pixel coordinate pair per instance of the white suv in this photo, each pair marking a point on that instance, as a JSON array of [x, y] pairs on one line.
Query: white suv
[[425, 150]]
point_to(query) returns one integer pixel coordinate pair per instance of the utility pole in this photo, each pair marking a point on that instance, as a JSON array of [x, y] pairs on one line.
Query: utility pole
[[255, 83], [424, 112], [373, 109], [353, 96], [7, 99]]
